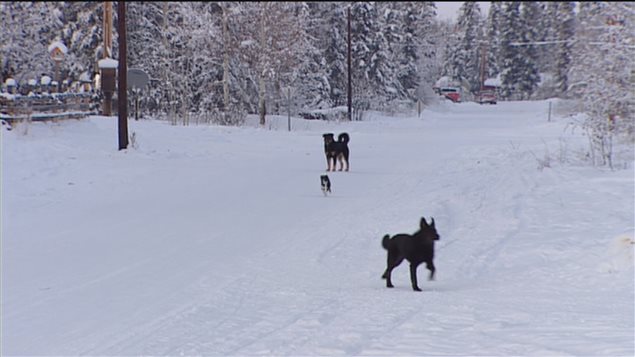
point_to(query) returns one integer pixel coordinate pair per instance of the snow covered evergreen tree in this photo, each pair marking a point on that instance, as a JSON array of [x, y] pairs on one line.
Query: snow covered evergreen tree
[[310, 82], [329, 31], [391, 20], [528, 78], [416, 45], [511, 55], [28, 28], [429, 36], [374, 73], [150, 49], [82, 34], [565, 30], [364, 27], [603, 75], [493, 40], [548, 35], [453, 61], [469, 25], [272, 41]]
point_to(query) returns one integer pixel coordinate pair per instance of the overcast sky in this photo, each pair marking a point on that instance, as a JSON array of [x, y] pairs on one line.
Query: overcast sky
[[448, 10]]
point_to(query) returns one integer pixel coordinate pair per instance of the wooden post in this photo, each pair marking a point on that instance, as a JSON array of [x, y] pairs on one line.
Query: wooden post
[[58, 76], [123, 73], [289, 107], [136, 106], [350, 88]]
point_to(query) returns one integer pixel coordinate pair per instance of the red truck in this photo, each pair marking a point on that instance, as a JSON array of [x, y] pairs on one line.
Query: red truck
[[451, 93], [487, 95]]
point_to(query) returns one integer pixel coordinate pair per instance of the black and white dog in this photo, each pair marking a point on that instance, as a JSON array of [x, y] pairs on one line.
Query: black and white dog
[[326, 184], [336, 151], [6, 124]]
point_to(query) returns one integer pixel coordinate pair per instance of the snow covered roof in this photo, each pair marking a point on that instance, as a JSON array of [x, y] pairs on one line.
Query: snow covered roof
[[444, 81], [494, 82], [10, 82], [46, 80], [58, 44], [108, 63]]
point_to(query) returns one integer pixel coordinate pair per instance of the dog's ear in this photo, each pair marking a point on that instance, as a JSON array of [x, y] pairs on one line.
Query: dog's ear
[[423, 222], [432, 222]]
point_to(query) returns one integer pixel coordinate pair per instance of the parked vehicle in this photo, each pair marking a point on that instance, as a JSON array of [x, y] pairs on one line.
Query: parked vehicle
[[451, 93], [486, 97]]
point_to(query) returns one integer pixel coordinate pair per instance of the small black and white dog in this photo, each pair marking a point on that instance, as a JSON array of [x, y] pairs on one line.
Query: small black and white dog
[[326, 184], [6, 124]]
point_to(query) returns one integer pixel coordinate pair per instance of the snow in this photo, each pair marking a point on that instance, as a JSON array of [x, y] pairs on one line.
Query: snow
[[494, 82], [84, 77], [107, 63], [45, 80], [58, 44], [215, 240], [442, 82], [247, 43]]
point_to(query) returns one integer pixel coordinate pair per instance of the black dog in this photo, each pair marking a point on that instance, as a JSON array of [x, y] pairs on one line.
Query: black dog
[[336, 151], [416, 248], [326, 184]]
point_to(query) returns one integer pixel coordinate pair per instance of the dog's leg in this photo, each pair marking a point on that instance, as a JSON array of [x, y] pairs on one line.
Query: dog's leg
[[413, 277], [430, 266], [387, 277], [392, 262]]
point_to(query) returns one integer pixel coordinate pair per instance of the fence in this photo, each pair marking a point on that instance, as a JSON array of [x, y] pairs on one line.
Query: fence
[[42, 107]]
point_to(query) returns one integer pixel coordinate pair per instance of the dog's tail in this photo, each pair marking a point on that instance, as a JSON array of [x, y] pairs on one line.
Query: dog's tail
[[386, 242], [343, 138]]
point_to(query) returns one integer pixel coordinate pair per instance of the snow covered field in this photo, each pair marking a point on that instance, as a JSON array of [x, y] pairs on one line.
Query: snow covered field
[[210, 240]]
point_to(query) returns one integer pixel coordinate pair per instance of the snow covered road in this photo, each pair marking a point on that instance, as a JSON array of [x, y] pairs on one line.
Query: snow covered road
[[218, 240]]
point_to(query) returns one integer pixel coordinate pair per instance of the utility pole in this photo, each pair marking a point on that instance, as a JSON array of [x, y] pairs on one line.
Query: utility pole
[[107, 29], [483, 64], [123, 79], [107, 75], [350, 88]]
